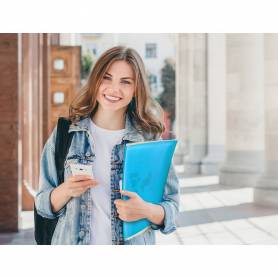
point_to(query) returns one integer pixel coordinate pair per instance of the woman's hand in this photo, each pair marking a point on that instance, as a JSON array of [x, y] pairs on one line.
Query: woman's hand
[[74, 186], [78, 184], [133, 209], [136, 208]]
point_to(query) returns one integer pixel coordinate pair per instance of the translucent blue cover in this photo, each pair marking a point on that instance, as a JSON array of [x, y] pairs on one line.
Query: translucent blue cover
[[146, 167]]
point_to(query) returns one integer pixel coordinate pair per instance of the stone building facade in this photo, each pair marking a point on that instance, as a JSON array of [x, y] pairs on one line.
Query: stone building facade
[[227, 110]]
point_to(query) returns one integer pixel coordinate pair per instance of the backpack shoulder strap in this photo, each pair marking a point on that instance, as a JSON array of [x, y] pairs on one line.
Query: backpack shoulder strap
[[62, 144]]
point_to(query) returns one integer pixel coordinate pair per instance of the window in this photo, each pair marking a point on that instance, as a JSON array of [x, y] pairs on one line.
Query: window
[[59, 64], [151, 50], [153, 81], [58, 98]]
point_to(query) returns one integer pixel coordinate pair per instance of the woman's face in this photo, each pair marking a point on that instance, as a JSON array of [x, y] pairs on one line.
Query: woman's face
[[117, 87]]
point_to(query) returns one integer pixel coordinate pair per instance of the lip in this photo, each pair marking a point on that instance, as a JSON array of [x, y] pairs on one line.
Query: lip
[[120, 98]]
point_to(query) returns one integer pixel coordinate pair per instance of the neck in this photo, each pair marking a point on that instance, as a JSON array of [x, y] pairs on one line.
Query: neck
[[112, 120]]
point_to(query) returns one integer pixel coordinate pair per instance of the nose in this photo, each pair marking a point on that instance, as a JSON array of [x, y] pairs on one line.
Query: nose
[[114, 87]]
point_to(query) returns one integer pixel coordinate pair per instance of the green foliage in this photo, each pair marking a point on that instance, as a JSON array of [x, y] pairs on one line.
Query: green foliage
[[86, 65], [167, 97]]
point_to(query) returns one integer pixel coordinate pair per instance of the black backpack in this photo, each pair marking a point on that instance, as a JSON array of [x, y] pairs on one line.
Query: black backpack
[[44, 227]]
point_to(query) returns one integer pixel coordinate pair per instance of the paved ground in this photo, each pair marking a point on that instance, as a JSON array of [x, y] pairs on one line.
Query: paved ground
[[209, 214], [215, 214]]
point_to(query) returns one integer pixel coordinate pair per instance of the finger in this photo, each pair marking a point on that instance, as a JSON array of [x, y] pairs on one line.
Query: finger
[[84, 184], [83, 188], [77, 192], [81, 177], [120, 203], [128, 193], [126, 218], [122, 215], [87, 183], [127, 211], [120, 211]]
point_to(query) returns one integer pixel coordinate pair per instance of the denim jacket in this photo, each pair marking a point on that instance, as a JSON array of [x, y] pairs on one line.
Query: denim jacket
[[74, 223]]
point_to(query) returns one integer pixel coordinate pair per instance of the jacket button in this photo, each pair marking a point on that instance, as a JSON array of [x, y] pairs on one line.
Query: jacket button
[[83, 207], [81, 233]]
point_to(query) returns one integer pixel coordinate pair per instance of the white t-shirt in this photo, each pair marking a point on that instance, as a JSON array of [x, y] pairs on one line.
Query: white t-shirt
[[104, 141]]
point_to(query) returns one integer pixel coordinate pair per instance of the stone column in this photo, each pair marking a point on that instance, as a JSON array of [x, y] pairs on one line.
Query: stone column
[[184, 81], [216, 71], [266, 191], [197, 107], [245, 110]]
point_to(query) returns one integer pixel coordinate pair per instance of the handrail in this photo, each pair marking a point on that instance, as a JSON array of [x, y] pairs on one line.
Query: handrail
[[29, 188]]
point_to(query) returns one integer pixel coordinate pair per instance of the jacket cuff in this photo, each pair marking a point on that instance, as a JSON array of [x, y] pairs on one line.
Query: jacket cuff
[[169, 224], [44, 205]]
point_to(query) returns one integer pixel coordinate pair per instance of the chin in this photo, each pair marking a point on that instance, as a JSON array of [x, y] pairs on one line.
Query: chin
[[113, 108]]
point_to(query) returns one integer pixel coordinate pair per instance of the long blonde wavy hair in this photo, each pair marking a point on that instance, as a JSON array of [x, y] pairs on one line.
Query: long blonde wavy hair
[[145, 113]]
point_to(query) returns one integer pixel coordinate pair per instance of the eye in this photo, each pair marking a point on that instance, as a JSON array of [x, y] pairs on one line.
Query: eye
[[125, 82], [106, 77]]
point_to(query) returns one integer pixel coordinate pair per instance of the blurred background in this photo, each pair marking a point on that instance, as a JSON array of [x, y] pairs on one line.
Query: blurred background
[[219, 93]]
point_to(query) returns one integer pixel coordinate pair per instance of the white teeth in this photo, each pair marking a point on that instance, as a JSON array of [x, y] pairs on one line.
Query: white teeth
[[112, 98]]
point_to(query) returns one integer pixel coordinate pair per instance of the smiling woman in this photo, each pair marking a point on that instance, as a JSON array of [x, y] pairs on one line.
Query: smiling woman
[[114, 108], [120, 72], [117, 86]]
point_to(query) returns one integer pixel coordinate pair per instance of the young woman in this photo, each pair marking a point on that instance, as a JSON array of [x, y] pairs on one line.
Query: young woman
[[113, 108]]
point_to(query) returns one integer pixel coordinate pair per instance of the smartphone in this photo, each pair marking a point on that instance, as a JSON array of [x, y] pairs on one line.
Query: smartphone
[[81, 169]]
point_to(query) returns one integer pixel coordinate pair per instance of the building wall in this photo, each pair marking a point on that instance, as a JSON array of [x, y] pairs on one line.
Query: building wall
[[24, 121], [9, 132]]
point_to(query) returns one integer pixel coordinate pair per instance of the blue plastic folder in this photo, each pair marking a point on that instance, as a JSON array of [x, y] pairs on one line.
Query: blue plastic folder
[[146, 167]]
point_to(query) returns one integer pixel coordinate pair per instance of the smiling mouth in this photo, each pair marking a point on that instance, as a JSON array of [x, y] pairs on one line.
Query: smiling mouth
[[112, 98]]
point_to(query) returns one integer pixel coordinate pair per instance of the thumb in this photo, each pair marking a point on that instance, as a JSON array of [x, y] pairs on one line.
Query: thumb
[[128, 193]]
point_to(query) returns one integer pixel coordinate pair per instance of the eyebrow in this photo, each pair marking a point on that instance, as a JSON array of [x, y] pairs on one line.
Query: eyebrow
[[121, 77]]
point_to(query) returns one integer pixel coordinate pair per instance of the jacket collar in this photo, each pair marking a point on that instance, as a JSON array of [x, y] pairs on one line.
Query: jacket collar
[[131, 133]]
